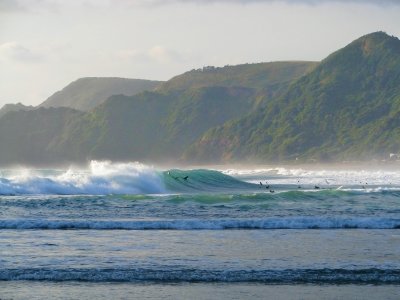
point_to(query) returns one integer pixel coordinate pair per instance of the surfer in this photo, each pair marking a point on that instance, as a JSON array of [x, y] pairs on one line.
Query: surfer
[[185, 178], [316, 187], [271, 191], [176, 178]]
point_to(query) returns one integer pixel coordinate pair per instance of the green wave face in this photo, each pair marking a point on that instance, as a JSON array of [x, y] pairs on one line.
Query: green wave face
[[202, 180]]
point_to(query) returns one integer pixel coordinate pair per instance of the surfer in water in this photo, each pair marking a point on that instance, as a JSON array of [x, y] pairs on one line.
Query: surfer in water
[[169, 173], [176, 178]]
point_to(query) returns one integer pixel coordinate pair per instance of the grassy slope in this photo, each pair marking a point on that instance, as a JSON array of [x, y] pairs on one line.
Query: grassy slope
[[263, 76], [86, 93]]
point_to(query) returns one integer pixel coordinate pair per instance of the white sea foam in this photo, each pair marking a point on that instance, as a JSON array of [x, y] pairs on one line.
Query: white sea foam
[[343, 177], [102, 177]]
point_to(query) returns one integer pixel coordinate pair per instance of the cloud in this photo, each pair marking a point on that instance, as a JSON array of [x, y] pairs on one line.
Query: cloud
[[10, 5], [56, 5], [16, 52], [163, 55], [243, 2], [312, 2], [128, 54]]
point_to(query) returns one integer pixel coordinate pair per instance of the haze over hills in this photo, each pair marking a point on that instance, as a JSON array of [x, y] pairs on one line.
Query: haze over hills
[[14, 107], [151, 126], [161, 125], [86, 93], [347, 108], [25, 135], [158, 126]]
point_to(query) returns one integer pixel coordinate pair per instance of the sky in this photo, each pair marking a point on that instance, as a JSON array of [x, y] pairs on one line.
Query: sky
[[46, 44]]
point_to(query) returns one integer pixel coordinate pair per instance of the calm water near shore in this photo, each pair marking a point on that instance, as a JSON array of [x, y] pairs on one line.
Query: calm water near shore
[[119, 291]]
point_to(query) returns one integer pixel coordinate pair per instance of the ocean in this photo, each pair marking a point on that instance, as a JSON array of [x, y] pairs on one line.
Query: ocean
[[132, 231]]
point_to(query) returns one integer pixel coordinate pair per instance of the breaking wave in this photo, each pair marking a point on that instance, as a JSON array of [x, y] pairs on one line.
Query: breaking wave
[[336, 276], [105, 178], [210, 224], [101, 178]]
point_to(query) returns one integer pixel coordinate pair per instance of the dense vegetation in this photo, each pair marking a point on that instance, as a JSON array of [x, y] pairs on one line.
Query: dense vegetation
[[347, 108], [152, 126]]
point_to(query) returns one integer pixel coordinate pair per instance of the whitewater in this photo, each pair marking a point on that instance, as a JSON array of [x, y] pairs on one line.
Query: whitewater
[[201, 230]]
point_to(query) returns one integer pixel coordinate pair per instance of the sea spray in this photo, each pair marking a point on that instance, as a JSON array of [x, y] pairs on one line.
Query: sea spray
[[326, 177], [102, 177], [105, 178]]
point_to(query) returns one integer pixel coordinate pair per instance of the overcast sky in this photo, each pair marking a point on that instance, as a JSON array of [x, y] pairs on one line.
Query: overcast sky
[[46, 44]]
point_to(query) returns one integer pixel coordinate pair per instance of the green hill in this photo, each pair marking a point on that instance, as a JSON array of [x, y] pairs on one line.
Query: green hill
[[86, 93], [14, 107], [272, 76], [346, 108], [150, 126], [160, 126]]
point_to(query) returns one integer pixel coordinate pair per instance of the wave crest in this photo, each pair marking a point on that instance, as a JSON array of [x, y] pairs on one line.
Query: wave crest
[[209, 224], [342, 276], [102, 177]]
